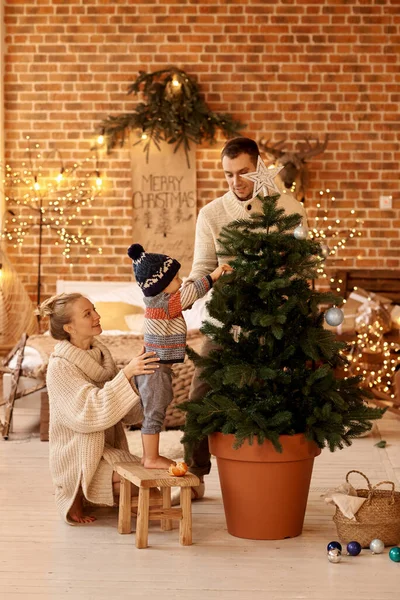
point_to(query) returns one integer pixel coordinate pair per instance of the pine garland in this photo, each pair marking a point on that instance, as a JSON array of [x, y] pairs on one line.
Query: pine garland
[[278, 377], [173, 112]]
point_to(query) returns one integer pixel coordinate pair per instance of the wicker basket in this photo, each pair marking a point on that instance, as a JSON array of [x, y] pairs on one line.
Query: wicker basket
[[378, 517]]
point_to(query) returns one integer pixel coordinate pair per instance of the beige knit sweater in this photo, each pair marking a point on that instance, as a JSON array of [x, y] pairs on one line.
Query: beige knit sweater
[[219, 213], [88, 398]]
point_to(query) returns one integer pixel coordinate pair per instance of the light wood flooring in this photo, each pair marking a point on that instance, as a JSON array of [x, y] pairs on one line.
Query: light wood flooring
[[43, 558]]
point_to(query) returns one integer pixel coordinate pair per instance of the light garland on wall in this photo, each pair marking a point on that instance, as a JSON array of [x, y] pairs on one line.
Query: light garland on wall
[[330, 232], [53, 202]]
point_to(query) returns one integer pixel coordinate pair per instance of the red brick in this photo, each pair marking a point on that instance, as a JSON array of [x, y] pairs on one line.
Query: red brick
[[285, 69]]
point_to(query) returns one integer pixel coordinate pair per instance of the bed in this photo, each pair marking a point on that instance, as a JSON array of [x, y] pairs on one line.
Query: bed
[[121, 307]]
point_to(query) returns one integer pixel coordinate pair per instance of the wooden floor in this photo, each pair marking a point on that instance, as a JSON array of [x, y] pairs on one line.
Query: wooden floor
[[43, 558]]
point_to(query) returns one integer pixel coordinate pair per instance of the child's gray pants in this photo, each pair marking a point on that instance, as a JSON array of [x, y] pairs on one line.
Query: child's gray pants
[[155, 391]]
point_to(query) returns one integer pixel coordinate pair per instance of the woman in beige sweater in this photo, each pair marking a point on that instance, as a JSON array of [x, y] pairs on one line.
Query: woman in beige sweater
[[88, 399]]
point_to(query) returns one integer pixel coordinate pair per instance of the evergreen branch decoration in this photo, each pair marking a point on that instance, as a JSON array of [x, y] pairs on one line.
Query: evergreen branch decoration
[[172, 111], [277, 375]]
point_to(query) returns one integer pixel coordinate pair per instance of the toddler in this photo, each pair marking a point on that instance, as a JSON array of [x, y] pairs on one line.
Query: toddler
[[165, 334]]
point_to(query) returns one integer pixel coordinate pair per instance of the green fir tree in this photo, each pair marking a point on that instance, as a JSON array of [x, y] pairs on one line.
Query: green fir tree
[[277, 375]]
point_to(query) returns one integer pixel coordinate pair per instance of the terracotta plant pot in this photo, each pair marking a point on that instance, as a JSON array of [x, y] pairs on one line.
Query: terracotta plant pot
[[264, 492]]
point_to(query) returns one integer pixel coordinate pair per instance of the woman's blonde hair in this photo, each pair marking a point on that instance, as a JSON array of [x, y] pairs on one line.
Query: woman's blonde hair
[[58, 309]]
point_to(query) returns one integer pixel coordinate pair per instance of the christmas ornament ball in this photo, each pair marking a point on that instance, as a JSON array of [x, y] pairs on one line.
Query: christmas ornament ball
[[300, 233], [394, 554], [325, 251], [377, 546], [353, 548], [334, 555], [333, 545], [334, 316]]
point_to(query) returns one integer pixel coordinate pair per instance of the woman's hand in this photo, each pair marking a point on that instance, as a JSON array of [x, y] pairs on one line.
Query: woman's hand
[[142, 364]]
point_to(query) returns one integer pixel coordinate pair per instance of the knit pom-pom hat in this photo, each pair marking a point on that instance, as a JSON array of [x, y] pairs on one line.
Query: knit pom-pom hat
[[153, 272]]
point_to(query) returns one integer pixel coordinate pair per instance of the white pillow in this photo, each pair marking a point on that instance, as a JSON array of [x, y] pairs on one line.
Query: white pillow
[[135, 323]]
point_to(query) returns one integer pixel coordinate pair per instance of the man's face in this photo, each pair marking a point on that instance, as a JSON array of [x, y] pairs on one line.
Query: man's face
[[233, 169]]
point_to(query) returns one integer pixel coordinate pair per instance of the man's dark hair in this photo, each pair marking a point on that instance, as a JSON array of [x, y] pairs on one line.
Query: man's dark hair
[[241, 145]]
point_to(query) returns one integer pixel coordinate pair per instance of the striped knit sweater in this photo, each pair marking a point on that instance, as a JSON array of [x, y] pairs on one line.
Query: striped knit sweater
[[164, 325], [88, 398]]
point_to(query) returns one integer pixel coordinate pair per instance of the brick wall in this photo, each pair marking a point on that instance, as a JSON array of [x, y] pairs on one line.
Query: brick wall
[[287, 69]]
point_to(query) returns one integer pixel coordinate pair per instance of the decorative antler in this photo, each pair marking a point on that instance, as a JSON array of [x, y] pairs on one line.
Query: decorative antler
[[275, 149], [309, 150]]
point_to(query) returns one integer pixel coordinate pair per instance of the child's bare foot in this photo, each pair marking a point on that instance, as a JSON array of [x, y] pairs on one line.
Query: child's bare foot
[[159, 462]]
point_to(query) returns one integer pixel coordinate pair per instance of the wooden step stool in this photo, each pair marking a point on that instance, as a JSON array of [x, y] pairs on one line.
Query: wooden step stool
[[145, 479]]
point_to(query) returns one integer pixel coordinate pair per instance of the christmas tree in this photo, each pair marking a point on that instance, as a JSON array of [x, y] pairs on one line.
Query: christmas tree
[[274, 370]]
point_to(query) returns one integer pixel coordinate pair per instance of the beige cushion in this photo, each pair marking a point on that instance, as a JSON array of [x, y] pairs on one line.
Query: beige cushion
[[113, 314], [135, 322]]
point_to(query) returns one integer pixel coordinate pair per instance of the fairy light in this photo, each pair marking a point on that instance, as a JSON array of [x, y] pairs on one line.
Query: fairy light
[[331, 233], [58, 198]]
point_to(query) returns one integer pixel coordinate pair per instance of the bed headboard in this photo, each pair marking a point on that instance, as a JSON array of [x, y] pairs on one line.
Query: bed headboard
[[381, 281], [104, 291]]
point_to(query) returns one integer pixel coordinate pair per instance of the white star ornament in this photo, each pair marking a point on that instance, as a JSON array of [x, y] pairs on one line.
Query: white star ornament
[[263, 178]]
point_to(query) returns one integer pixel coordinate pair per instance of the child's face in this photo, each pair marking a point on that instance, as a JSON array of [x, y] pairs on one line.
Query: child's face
[[174, 285]]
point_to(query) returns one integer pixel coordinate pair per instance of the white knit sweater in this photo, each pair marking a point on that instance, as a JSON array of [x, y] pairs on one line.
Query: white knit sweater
[[88, 398], [219, 213]]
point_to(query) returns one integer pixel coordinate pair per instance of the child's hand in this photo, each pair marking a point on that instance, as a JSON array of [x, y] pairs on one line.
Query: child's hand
[[142, 364], [215, 275]]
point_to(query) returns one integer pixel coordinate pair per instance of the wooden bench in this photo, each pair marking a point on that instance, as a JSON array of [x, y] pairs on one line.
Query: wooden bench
[[145, 479]]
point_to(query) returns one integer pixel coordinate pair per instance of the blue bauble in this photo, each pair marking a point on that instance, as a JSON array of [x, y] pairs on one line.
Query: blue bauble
[[394, 554], [353, 548], [333, 545], [334, 316]]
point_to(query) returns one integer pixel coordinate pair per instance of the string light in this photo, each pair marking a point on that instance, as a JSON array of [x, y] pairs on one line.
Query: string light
[[55, 202], [329, 231], [374, 359]]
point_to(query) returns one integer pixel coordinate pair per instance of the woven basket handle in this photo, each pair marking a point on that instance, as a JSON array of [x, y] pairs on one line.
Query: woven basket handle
[[365, 477], [391, 501]]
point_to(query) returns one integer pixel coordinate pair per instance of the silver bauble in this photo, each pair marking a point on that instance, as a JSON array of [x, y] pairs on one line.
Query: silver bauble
[[334, 316], [325, 250], [334, 555], [300, 233], [377, 546]]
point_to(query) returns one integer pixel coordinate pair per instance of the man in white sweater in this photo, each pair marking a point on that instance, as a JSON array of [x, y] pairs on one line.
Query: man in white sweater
[[239, 157]]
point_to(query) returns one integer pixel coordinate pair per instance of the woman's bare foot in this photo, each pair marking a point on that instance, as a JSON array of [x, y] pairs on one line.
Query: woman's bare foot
[[81, 518], [158, 462], [76, 512]]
